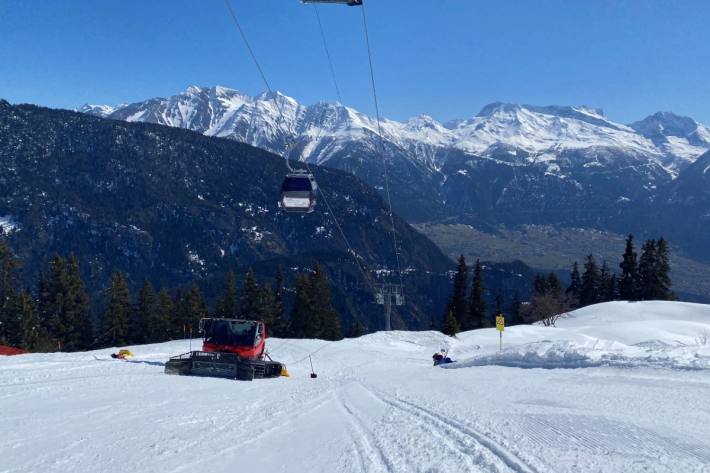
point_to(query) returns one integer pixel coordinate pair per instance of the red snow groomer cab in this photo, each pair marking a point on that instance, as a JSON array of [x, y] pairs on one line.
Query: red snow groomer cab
[[231, 348]]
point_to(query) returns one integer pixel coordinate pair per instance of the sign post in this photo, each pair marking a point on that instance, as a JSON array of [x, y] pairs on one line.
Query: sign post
[[500, 326]]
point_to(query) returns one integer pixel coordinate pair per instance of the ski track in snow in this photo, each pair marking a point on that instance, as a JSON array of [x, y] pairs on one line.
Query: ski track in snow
[[378, 405]]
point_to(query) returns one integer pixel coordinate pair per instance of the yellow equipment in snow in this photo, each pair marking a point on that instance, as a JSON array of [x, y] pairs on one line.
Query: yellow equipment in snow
[[122, 354]]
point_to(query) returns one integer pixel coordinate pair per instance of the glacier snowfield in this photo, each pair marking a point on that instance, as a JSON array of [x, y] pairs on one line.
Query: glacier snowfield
[[616, 387]]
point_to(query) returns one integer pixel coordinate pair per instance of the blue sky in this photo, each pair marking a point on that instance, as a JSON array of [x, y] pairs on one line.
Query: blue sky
[[445, 58]]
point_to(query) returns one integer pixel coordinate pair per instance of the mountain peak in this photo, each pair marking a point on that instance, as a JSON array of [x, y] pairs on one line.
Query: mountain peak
[[665, 124], [496, 107], [96, 110]]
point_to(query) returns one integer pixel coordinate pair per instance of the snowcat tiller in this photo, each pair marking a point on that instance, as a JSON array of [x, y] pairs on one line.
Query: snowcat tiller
[[231, 348]]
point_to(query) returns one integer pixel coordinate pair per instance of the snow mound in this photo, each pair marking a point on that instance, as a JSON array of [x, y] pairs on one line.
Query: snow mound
[[620, 334]]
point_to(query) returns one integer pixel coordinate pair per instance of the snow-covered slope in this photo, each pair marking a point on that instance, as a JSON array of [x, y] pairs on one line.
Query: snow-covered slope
[[377, 405]]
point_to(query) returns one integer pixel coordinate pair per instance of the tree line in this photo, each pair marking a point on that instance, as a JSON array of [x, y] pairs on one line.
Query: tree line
[[639, 278], [57, 316]]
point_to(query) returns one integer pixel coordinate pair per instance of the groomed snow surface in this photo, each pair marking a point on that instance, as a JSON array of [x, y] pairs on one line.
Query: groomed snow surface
[[617, 387]]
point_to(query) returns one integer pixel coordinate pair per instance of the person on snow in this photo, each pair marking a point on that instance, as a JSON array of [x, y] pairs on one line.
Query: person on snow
[[441, 358]]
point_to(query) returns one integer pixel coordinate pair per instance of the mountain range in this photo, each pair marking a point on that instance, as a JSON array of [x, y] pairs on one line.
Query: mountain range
[[174, 206], [508, 165]]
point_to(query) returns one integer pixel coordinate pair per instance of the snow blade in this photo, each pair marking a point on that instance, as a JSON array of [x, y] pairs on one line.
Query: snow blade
[[222, 365]]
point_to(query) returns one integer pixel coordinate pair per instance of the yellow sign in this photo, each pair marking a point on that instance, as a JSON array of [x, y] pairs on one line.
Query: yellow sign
[[500, 323]]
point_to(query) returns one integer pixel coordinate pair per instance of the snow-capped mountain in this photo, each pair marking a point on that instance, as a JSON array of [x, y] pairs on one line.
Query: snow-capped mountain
[[509, 164], [322, 130], [677, 136]]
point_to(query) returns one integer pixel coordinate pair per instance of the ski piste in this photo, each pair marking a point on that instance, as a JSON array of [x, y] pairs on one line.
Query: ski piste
[[618, 387]]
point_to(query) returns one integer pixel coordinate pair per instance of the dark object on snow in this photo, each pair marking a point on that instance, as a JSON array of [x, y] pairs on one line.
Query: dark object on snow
[[231, 348], [441, 359]]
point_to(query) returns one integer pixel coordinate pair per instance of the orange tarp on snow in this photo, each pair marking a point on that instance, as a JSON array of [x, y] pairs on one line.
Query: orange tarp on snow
[[5, 350]]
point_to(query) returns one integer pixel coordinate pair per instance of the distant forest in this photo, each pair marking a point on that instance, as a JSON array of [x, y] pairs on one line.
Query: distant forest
[[56, 315], [639, 278]]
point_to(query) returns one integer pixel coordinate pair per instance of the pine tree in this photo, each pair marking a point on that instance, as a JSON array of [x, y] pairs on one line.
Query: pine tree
[[279, 325], [265, 305], [51, 299], [589, 293], [628, 282], [29, 322], [165, 326], [515, 310], [553, 285], [194, 309], [64, 305], [116, 317], [451, 325], [540, 286], [604, 283], [322, 307], [499, 303], [647, 275], [302, 321], [77, 309], [146, 323], [457, 302], [10, 329], [476, 304], [575, 286], [249, 303], [356, 329], [663, 268], [227, 305]]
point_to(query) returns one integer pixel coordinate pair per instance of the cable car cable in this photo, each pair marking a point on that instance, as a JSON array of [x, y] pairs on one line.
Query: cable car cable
[[279, 108], [381, 140], [327, 53]]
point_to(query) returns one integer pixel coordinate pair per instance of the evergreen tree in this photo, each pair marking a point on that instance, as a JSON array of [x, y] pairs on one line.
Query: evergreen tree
[[116, 317], [604, 281], [476, 305], [164, 326], [322, 306], [647, 275], [51, 300], [77, 309], [540, 286], [515, 310], [194, 309], [279, 325], [249, 304], [663, 268], [553, 285], [457, 302], [575, 286], [146, 322], [265, 310], [499, 303], [10, 325], [227, 305], [451, 325], [356, 329], [64, 305], [589, 293], [303, 323], [30, 328], [628, 281]]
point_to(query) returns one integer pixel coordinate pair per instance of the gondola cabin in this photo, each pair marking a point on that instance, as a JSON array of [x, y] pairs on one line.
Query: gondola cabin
[[298, 193]]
